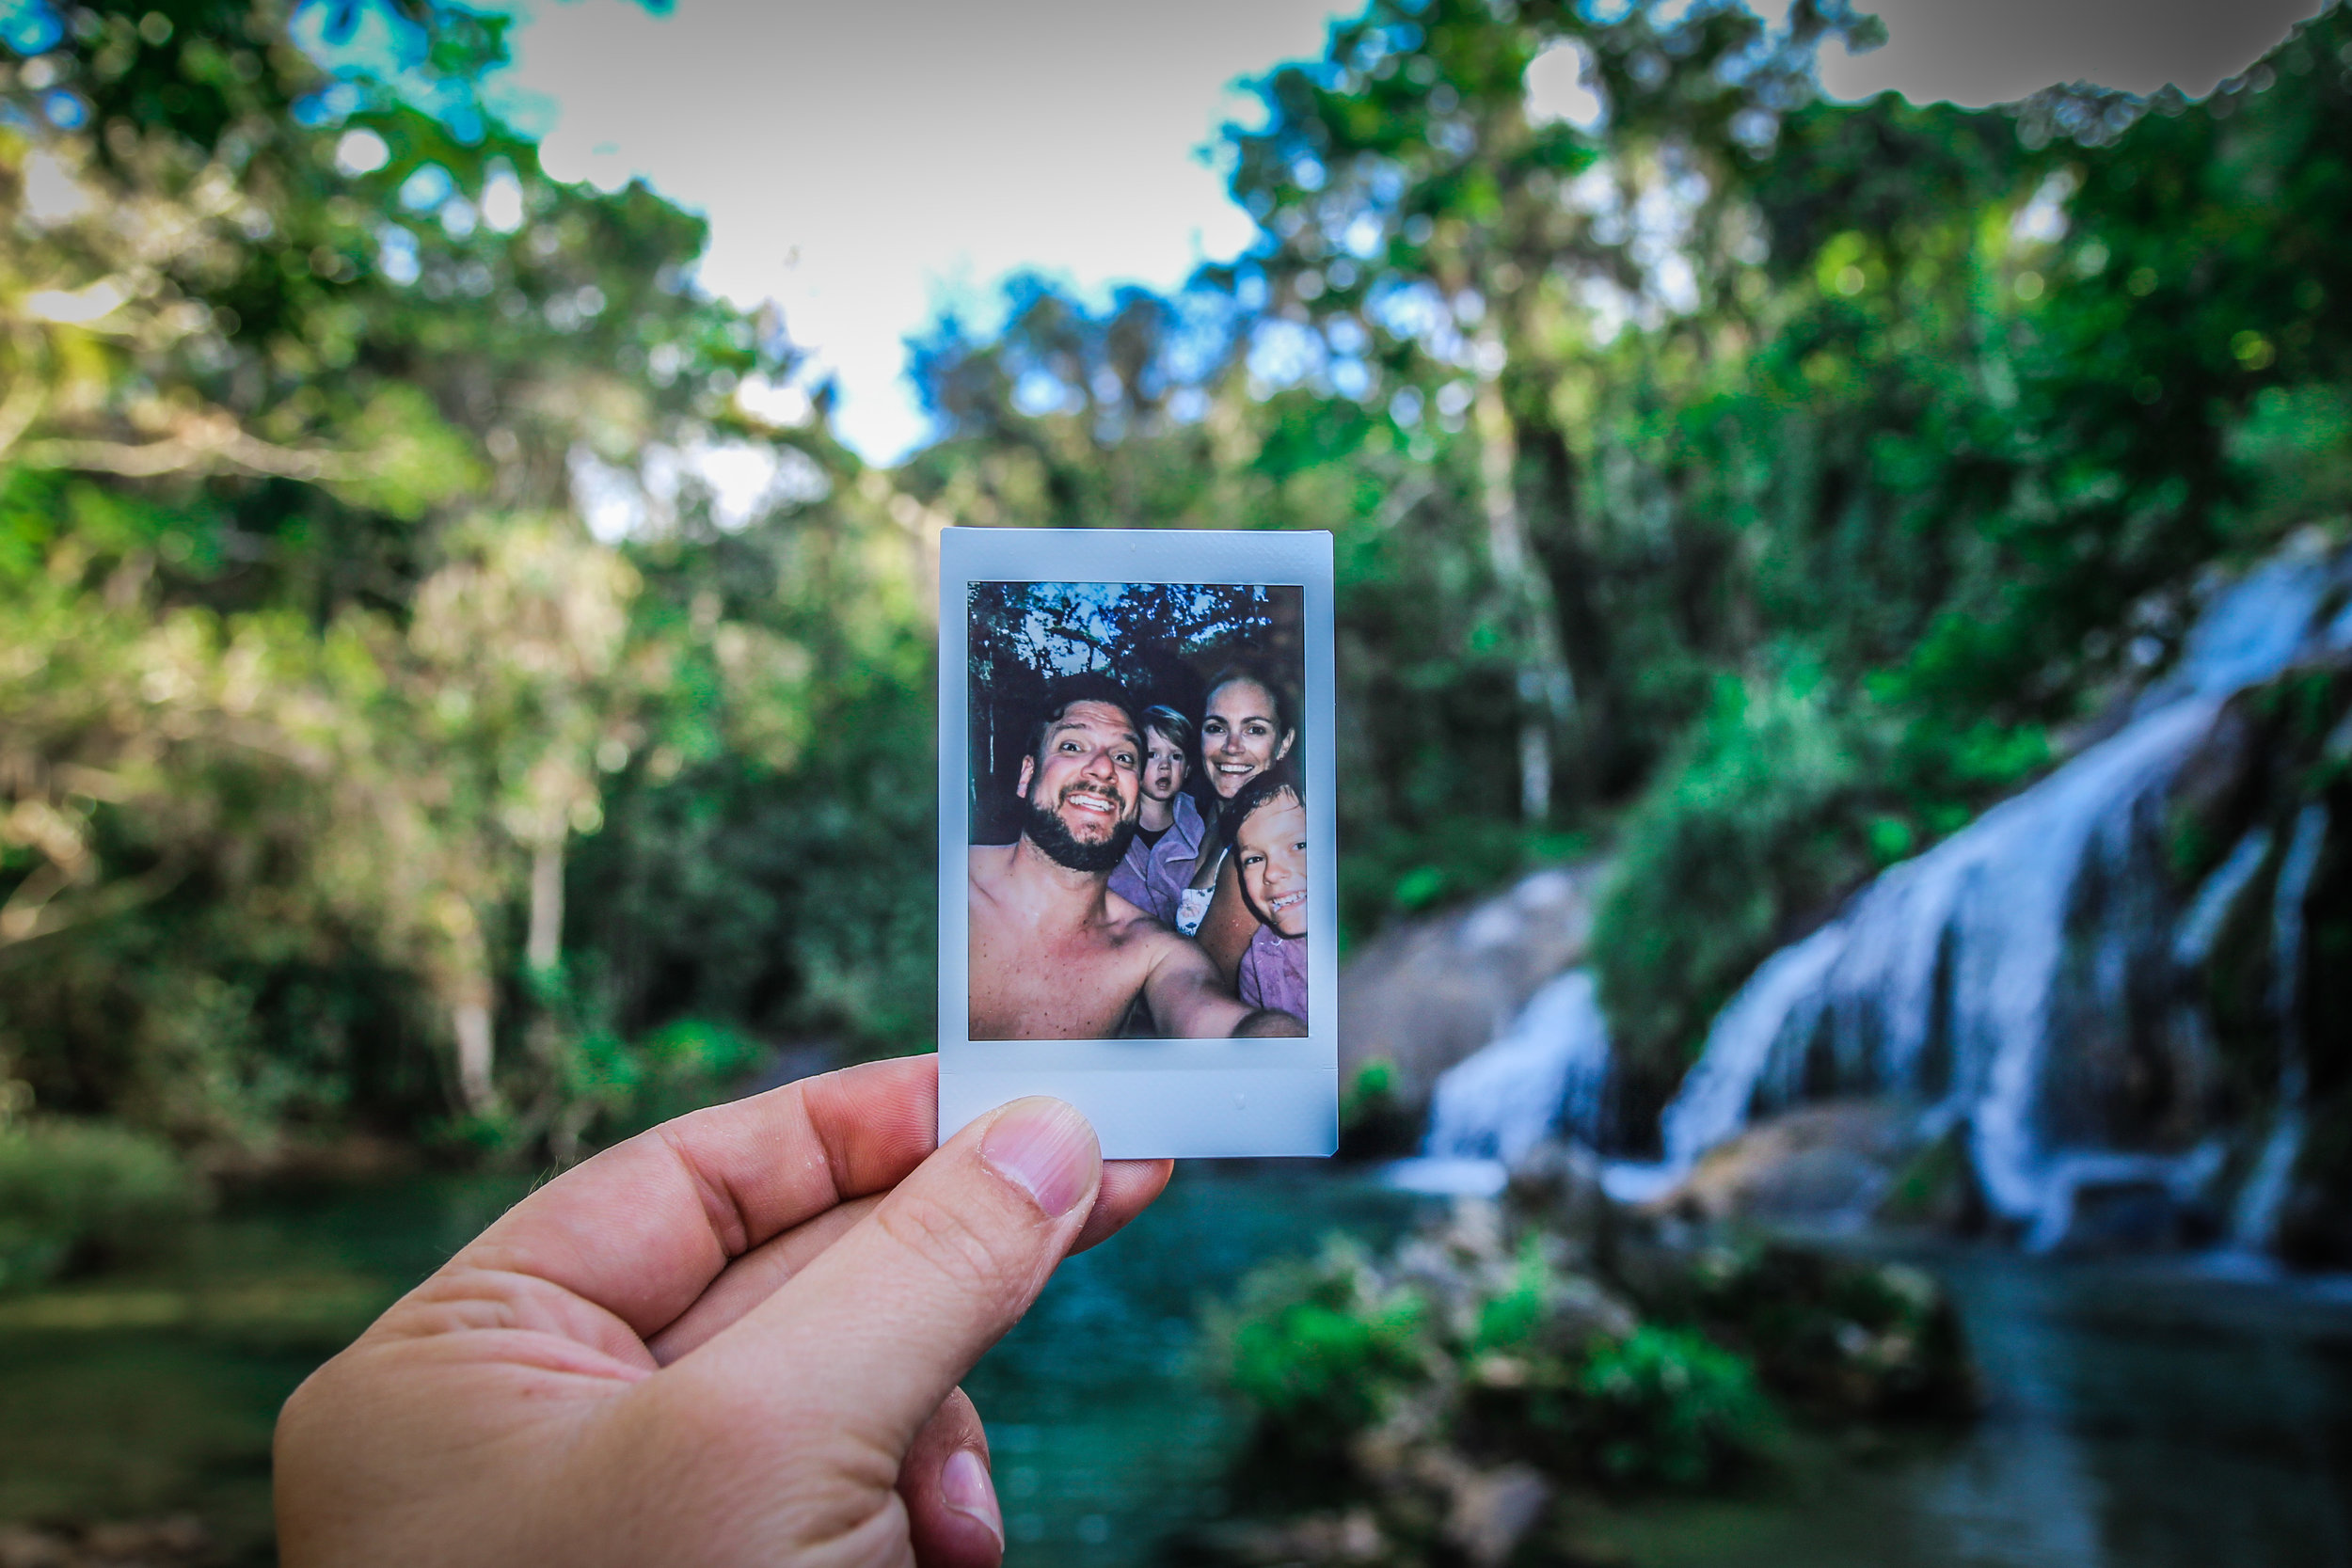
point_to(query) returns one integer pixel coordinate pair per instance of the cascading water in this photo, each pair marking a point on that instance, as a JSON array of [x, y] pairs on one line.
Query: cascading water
[[2003, 975], [2255, 1223], [1540, 1077]]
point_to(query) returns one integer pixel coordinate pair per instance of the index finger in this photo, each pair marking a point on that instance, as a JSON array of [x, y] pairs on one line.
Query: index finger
[[644, 1227]]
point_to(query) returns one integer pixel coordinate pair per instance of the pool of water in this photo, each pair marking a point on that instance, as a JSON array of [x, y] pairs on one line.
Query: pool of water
[[2139, 1414], [152, 1391], [1106, 1436]]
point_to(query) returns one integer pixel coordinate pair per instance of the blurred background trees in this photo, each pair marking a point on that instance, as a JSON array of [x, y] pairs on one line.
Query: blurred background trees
[[452, 682], [318, 670]]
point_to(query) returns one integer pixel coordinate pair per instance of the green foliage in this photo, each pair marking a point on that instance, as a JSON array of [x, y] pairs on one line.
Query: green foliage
[[1746, 834], [1496, 1339], [1503, 1354], [1667, 1406], [1320, 1351], [1840, 1337], [634, 1085], [317, 679], [1613, 1400], [75, 1193]]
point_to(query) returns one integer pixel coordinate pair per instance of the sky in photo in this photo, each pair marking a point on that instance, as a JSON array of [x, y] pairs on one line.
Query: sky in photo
[[866, 164]]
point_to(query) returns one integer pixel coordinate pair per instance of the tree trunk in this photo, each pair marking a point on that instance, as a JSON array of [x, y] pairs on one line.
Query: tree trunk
[[1569, 561], [469, 1020], [463, 979], [1547, 694], [544, 948]]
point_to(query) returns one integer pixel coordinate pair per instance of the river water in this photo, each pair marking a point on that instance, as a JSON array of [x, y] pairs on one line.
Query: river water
[[2145, 1412]]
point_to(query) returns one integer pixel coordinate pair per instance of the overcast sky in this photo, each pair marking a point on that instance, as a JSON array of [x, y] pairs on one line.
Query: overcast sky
[[862, 163]]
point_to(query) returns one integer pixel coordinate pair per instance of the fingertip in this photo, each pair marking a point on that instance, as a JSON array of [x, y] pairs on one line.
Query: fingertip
[[952, 1514], [966, 1488], [1047, 1147]]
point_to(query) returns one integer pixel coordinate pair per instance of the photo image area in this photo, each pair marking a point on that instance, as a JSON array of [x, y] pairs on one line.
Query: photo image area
[[1137, 811]]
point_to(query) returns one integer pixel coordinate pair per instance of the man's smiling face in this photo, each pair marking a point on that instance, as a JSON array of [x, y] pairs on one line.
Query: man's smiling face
[[1086, 778]]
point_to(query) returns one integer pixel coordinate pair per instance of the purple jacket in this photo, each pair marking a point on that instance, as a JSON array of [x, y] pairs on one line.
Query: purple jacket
[[1274, 973], [1152, 878]]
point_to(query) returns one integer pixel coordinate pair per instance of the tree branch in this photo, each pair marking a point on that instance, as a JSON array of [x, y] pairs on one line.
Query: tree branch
[[25, 921], [207, 445]]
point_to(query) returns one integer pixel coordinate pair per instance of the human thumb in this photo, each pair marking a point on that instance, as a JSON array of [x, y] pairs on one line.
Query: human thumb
[[866, 1341]]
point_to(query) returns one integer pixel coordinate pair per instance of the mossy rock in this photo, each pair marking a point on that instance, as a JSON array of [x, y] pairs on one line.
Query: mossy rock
[[81, 1193], [1937, 1189]]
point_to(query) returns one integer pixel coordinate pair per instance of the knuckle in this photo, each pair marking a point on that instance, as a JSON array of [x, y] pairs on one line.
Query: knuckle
[[967, 1254]]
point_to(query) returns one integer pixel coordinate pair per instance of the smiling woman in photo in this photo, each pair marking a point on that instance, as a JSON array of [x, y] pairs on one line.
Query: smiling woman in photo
[[1247, 726]]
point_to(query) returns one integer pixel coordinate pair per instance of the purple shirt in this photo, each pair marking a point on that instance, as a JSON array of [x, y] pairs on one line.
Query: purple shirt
[[1274, 973], [1152, 877]]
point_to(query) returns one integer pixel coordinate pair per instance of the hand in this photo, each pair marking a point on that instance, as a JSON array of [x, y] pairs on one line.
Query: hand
[[733, 1340]]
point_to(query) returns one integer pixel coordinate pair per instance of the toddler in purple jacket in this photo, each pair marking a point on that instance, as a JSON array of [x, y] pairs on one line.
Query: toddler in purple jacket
[[1168, 827]]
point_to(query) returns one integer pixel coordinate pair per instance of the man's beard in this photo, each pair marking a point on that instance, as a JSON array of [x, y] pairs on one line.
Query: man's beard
[[1048, 830]]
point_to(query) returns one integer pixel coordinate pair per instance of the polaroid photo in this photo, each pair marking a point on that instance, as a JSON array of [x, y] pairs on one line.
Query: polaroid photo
[[1137, 866]]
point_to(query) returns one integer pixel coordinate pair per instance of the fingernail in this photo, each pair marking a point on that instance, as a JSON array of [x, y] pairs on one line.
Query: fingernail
[[964, 1486], [1047, 1147]]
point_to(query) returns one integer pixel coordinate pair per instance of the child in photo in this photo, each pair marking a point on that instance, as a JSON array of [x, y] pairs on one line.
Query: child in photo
[[1168, 827], [1268, 833]]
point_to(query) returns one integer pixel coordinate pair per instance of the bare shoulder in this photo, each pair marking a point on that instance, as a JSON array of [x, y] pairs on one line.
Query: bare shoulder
[[1168, 951], [1131, 924], [1125, 914]]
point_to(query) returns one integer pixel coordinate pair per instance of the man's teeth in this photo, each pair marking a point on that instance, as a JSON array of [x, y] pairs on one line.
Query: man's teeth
[[1093, 802]]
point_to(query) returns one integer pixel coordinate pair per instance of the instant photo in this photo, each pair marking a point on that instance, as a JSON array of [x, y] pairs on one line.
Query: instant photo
[[1137, 878]]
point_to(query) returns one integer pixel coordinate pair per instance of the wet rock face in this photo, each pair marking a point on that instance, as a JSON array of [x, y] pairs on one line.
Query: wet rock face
[[1424, 995], [1558, 1187], [1832, 1165], [2271, 982]]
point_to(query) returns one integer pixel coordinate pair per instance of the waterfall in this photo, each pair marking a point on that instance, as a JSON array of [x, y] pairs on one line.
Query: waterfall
[[1541, 1077], [2002, 976], [1716, 1096], [1945, 979], [2255, 1225]]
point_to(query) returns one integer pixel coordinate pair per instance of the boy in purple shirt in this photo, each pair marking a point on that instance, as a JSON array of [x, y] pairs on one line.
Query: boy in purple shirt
[[1168, 827], [1269, 837]]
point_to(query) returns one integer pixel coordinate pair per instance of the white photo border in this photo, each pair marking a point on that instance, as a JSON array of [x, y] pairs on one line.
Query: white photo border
[[1148, 1099]]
